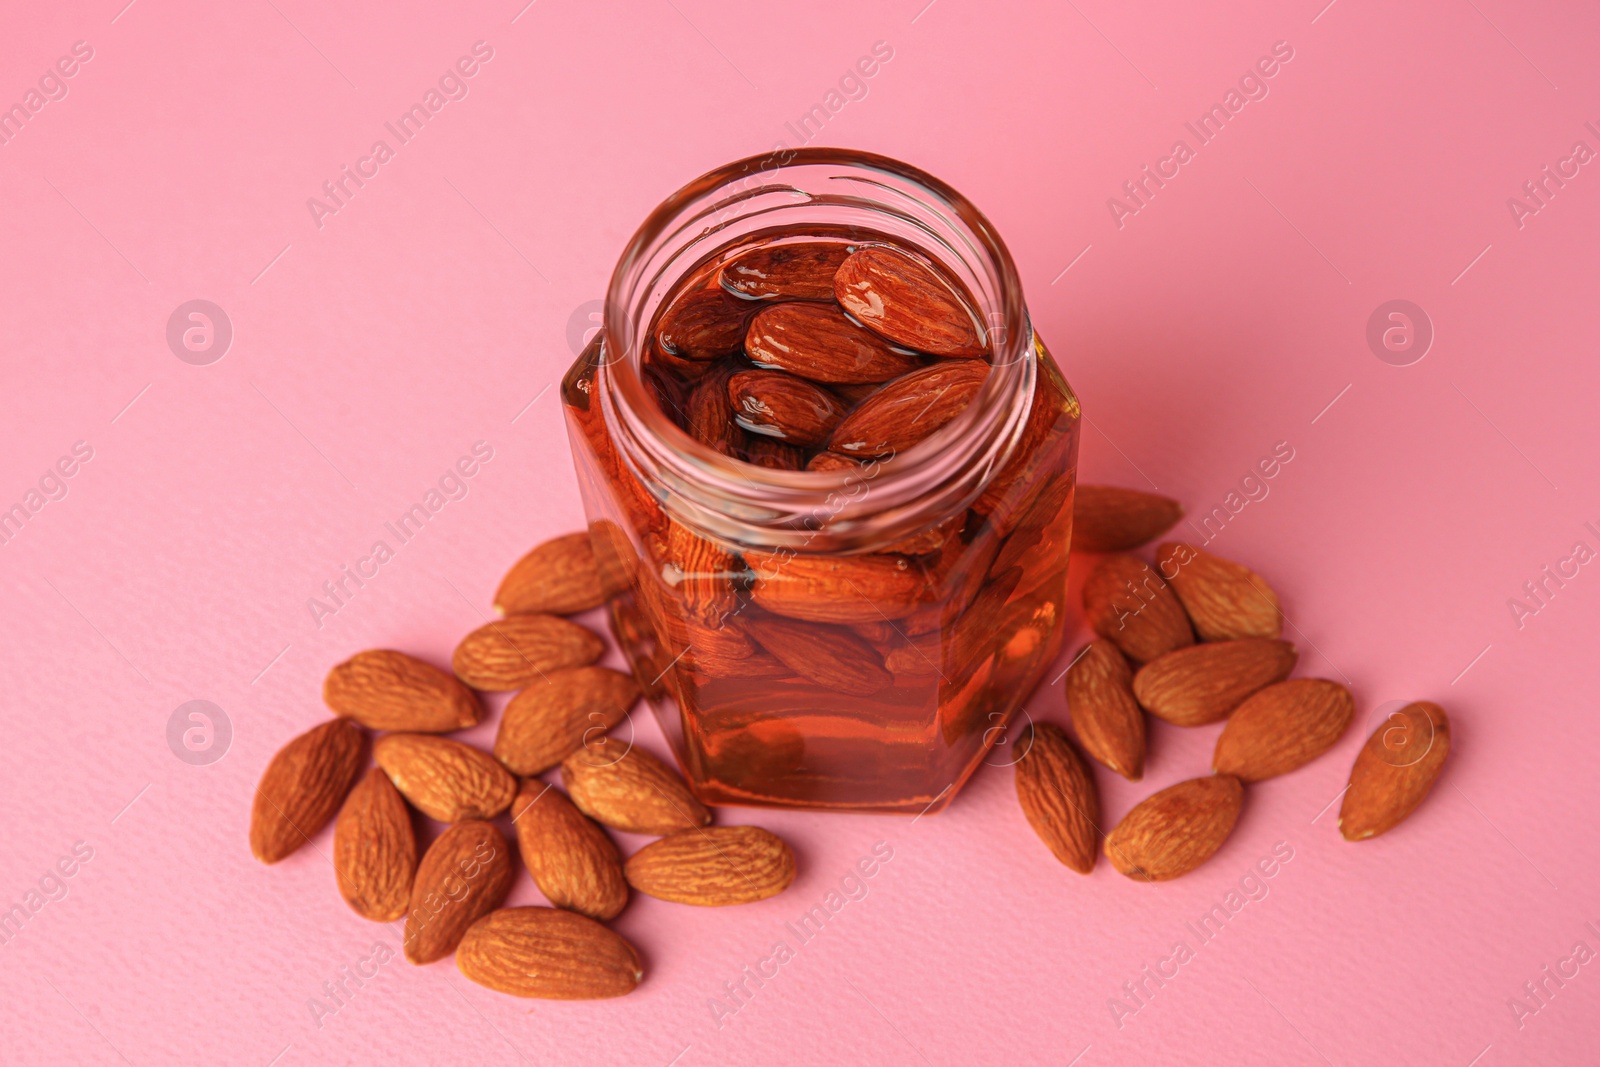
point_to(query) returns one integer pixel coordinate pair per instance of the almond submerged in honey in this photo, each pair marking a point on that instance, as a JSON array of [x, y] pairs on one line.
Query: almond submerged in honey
[[798, 671]]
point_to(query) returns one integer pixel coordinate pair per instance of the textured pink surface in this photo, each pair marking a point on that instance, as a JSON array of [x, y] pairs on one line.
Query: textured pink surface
[[434, 310]]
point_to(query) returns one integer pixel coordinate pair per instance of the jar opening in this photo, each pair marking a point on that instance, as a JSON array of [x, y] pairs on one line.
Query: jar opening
[[794, 193]]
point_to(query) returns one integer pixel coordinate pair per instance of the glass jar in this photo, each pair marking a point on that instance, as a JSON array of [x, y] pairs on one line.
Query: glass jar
[[848, 639]]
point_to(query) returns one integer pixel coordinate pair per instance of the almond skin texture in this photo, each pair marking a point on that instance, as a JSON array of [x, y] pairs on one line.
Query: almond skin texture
[[465, 874], [572, 861], [1394, 770], [901, 299], [1126, 602], [708, 413], [375, 849], [1057, 792], [516, 651], [1202, 684], [1106, 518], [1225, 600], [548, 721], [634, 792], [704, 324], [385, 690], [444, 779], [549, 954], [715, 867], [800, 271], [556, 578], [774, 455], [842, 589], [1176, 830], [826, 656], [816, 341], [1105, 713], [775, 404], [1282, 727], [908, 409], [303, 786]]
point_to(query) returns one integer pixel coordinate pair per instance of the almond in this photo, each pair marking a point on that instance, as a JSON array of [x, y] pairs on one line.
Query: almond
[[375, 849], [822, 654], [515, 651], [774, 455], [832, 461], [572, 861], [909, 409], [836, 588], [444, 779], [1106, 518], [556, 578], [1125, 601], [1176, 830], [780, 405], [547, 722], [801, 271], [709, 413], [385, 690], [816, 341], [1104, 710], [1394, 770], [704, 324], [1202, 684], [1057, 793], [702, 572], [547, 953], [1225, 600], [466, 873], [713, 867], [1282, 727], [903, 300], [634, 792], [302, 787]]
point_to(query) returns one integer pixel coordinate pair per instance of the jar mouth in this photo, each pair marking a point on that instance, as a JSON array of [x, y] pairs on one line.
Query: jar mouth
[[891, 498]]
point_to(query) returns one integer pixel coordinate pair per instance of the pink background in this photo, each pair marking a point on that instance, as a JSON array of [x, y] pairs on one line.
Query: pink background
[[434, 310]]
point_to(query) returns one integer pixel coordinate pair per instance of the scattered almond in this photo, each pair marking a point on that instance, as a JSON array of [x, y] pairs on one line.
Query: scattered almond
[[517, 650], [1282, 727], [302, 787], [464, 874], [1106, 518], [1104, 711], [825, 655], [629, 789], [572, 861], [386, 690], [1394, 770], [1057, 792], [548, 721], [548, 953], [1203, 683], [375, 849], [444, 779], [558, 577], [1225, 600], [713, 867], [1176, 830], [1126, 602]]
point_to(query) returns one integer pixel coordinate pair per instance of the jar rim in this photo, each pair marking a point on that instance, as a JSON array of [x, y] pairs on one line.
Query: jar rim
[[817, 510]]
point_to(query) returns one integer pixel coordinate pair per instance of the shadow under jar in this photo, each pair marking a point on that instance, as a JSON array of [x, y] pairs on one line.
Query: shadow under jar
[[828, 469]]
